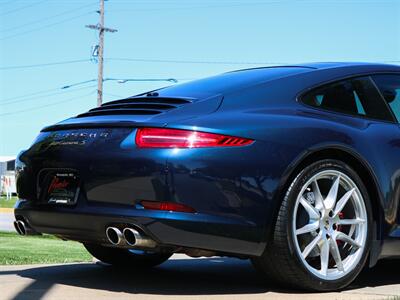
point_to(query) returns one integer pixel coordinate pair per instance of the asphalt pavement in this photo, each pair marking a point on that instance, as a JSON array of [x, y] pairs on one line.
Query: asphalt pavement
[[180, 278]]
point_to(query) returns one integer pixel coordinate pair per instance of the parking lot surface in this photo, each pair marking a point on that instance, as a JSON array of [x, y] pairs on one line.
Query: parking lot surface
[[179, 278]]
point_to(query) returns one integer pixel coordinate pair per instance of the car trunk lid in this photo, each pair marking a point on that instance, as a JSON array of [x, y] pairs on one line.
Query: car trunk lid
[[141, 111]]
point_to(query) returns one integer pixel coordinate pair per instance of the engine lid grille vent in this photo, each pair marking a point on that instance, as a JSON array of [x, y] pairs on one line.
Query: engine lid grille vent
[[138, 106]]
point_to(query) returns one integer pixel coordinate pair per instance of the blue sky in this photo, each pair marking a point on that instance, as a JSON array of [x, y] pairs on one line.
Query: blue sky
[[183, 39]]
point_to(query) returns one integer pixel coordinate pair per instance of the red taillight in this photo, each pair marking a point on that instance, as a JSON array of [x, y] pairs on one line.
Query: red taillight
[[177, 138], [168, 206]]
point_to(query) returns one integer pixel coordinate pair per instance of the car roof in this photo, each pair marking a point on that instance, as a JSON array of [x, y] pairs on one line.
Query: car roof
[[353, 65], [229, 81], [240, 79], [330, 65]]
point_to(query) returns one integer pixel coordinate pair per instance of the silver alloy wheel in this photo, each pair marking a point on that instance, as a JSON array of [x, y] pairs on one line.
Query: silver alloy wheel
[[330, 225]]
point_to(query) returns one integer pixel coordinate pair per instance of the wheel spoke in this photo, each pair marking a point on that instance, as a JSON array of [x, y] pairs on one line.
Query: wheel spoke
[[342, 202], [336, 254], [352, 230], [311, 210], [324, 257], [329, 225], [308, 228], [319, 201], [307, 250], [330, 200], [350, 221], [345, 238]]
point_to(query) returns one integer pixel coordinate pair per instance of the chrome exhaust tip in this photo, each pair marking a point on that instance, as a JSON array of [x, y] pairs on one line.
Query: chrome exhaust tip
[[114, 235], [134, 238], [131, 236], [22, 230], [16, 226]]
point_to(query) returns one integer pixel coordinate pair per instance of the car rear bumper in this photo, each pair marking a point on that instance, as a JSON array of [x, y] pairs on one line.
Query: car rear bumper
[[87, 222], [234, 190]]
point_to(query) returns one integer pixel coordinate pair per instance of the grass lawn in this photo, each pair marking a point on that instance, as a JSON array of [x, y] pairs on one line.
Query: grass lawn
[[19, 250], [7, 203]]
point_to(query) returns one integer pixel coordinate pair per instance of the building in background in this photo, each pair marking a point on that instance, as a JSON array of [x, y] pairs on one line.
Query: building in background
[[7, 169]]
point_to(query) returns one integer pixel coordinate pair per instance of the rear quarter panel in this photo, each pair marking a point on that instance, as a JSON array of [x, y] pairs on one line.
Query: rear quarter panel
[[286, 135]]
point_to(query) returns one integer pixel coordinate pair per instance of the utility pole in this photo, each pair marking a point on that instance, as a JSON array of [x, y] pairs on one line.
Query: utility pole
[[100, 27]]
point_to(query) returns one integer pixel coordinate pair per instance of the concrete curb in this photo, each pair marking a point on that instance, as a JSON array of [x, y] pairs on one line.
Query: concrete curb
[[6, 210]]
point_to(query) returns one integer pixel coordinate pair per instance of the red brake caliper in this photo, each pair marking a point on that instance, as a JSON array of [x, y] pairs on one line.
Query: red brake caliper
[[339, 227]]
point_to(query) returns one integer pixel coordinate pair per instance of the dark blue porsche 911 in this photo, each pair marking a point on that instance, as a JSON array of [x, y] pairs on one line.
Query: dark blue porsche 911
[[295, 167]]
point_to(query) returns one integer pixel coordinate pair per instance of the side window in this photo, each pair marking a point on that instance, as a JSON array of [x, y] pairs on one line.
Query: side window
[[389, 86], [356, 96]]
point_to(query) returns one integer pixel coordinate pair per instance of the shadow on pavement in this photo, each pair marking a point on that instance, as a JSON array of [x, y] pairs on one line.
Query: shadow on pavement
[[386, 272], [212, 276]]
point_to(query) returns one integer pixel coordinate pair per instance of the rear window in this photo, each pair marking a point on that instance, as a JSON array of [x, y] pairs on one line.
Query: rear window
[[389, 86], [356, 96]]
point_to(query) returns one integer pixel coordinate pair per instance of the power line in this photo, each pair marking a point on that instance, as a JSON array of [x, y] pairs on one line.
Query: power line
[[193, 61], [47, 105], [47, 18], [45, 95], [136, 60], [159, 61], [123, 80], [191, 7], [201, 5], [44, 27], [45, 64], [237, 4], [21, 8], [31, 94], [217, 62]]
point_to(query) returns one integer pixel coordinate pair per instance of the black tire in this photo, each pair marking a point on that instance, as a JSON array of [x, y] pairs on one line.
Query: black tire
[[125, 258], [280, 262]]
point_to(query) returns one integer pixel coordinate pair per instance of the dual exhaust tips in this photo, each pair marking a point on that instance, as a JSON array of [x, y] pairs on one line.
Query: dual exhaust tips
[[128, 237], [23, 229]]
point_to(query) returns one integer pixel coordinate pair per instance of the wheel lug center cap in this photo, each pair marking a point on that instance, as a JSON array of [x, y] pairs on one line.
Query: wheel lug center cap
[[326, 224]]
